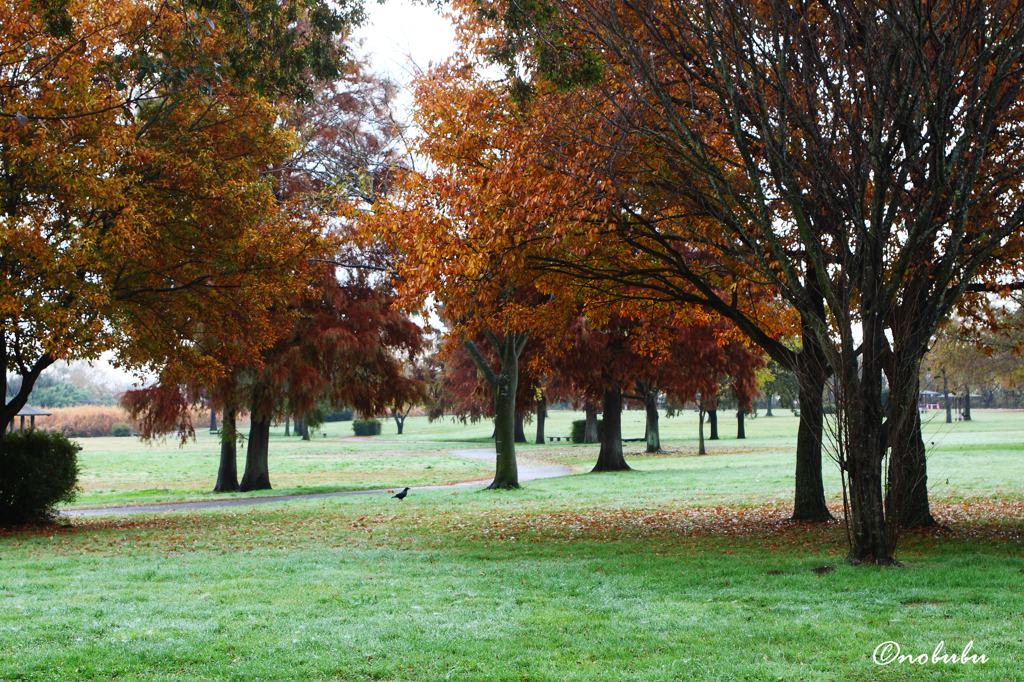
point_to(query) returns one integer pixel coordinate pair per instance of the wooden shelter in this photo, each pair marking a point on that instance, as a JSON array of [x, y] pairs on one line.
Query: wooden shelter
[[31, 413]]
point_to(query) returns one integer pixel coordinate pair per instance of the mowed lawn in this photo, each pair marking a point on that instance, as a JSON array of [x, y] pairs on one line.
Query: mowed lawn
[[683, 569]]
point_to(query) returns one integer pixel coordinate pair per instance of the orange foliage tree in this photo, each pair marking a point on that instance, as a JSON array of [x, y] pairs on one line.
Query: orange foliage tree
[[862, 160], [136, 215], [466, 228], [454, 235]]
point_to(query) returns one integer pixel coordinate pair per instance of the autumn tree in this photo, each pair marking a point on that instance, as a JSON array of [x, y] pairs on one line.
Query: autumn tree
[[861, 160], [641, 352], [133, 138], [966, 364], [346, 344], [418, 371], [452, 228]]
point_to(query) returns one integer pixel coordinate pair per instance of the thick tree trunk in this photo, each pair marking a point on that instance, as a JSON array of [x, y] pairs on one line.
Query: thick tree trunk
[[809, 489], [287, 425], [300, 427], [504, 385], [542, 413], [520, 430], [967, 403], [506, 472], [590, 429], [740, 431], [257, 469], [700, 431], [653, 435], [713, 423], [227, 474], [768, 413], [213, 420], [907, 501], [868, 427], [867, 522], [305, 428], [610, 456]]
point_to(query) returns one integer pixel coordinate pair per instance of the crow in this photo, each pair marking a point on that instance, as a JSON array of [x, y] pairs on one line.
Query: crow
[[401, 495]]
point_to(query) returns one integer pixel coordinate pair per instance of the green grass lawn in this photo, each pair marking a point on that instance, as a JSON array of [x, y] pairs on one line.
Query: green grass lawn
[[683, 569], [122, 471]]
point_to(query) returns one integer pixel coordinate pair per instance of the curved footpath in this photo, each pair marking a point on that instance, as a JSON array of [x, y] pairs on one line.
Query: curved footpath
[[527, 472]]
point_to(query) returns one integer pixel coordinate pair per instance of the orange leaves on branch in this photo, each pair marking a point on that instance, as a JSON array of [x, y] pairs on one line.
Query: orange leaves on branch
[[136, 215]]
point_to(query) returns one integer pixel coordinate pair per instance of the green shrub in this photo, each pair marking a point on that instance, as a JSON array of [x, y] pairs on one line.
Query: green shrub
[[37, 471], [121, 430], [366, 427], [579, 430]]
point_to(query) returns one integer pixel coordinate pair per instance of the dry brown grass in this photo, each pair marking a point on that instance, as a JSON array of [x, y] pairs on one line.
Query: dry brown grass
[[84, 421], [89, 421]]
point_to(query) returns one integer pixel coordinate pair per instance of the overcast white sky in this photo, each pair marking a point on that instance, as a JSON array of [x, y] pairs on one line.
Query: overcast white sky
[[403, 36]]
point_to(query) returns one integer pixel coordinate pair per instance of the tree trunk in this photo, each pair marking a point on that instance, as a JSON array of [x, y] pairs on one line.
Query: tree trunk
[[907, 501], [300, 426], [520, 431], [867, 428], [287, 425], [257, 469], [399, 419], [740, 432], [590, 429], [542, 413], [227, 474], [809, 488], [768, 413], [867, 517], [213, 420], [700, 431], [504, 385], [713, 423], [967, 403], [305, 428], [610, 456], [10, 409], [653, 435]]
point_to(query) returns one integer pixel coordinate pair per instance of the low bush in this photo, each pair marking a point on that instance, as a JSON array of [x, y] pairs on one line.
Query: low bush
[[121, 430], [366, 427], [37, 472], [579, 429]]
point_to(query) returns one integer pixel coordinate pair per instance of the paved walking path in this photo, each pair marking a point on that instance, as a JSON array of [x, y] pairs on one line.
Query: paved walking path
[[528, 471]]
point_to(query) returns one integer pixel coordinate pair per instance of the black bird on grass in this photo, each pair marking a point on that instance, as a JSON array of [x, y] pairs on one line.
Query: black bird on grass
[[401, 495]]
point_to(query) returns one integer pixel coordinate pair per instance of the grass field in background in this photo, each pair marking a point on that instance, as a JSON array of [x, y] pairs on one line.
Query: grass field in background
[[118, 471], [683, 569]]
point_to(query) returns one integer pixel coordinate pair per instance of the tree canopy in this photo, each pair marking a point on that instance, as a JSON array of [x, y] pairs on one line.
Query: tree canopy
[[137, 216]]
